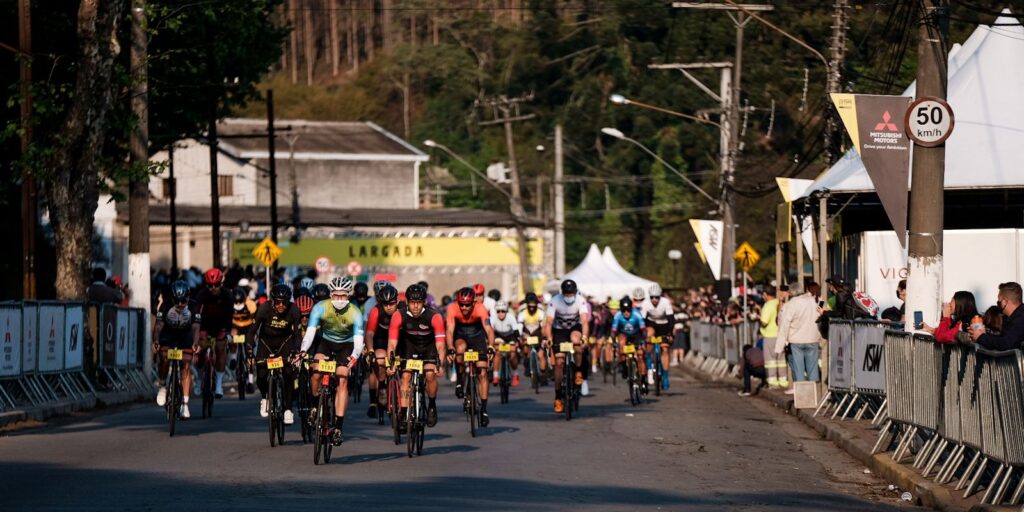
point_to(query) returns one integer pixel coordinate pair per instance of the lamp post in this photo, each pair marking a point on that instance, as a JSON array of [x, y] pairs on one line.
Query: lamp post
[[675, 255]]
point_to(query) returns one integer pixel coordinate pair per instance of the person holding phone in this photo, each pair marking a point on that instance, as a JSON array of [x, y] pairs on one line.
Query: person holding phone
[[956, 318]]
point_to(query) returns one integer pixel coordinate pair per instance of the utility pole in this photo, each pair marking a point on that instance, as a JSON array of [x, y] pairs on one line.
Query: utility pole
[[272, 164], [927, 203], [138, 186], [559, 203], [505, 111], [291, 139], [174, 213], [211, 140], [28, 181]]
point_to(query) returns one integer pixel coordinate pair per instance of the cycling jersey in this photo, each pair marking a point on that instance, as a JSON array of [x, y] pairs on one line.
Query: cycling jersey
[[274, 329], [241, 319], [660, 314], [419, 334], [345, 326], [214, 310], [469, 325], [378, 322], [176, 331], [628, 326], [531, 322], [507, 329], [566, 316]]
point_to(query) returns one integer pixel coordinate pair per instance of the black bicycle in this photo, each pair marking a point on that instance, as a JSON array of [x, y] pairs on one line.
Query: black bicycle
[[207, 375], [356, 378], [655, 361], [505, 371], [393, 392], [416, 413], [470, 381], [242, 369], [305, 400], [633, 377], [533, 362], [275, 398], [174, 389], [323, 420], [570, 390]]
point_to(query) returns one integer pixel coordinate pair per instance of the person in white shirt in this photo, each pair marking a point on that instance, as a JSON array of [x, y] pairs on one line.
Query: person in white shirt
[[506, 330]]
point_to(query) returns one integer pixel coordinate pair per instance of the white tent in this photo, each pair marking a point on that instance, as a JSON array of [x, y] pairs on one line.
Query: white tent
[[601, 276], [986, 78]]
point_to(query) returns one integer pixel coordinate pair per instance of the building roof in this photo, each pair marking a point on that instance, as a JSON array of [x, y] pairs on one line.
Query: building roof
[[329, 217], [316, 140]]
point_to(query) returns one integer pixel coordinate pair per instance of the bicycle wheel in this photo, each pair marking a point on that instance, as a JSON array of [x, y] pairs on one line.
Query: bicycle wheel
[[471, 391], [633, 388], [319, 436], [329, 407], [241, 371], [410, 429], [304, 405], [174, 396], [393, 408], [272, 411], [506, 379], [279, 405], [534, 372]]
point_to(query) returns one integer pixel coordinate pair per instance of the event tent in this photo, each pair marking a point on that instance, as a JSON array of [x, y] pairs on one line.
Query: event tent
[[986, 77], [601, 276]]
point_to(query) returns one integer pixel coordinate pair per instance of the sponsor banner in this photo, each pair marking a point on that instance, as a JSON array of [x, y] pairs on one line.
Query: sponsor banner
[[29, 339], [121, 327], [840, 355], [74, 336], [10, 340], [51, 337], [868, 356], [709, 236], [108, 335], [398, 252], [133, 338]]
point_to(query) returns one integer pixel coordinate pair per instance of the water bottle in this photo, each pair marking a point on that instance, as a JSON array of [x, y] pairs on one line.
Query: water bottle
[[977, 322]]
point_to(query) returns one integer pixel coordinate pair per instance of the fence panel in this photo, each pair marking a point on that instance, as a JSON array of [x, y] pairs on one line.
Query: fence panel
[[51, 337], [74, 334], [732, 339], [927, 399], [131, 359], [840, 355], [10, 350], [107, 336], [29, 339], [868, 358], [899, 375]]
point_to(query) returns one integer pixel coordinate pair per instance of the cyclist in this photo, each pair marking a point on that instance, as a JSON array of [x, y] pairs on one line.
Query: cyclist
[[176, 327], [305, 305], [567, 320], [215, 305], [420, 331], [341, 328], [468, 326], [599, 322], [241, 318], [360, 294], [657, 311], [377, 325], [506, 330], [372, 301], [431, 303], [531, 318], [321, 292], [276, 330], [305, 287], [628, 328]]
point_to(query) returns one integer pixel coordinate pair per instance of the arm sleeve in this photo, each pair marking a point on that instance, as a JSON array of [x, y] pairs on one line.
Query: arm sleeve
[[372, 320], [357, 334], [314, 321], [438, 324], [394, 327]]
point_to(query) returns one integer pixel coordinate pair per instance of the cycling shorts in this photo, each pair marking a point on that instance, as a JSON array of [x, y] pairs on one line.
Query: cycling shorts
[[632, 339], [338, 352], [561, 335], [426, 351], [664, 330], [476, 341], [177, 340]]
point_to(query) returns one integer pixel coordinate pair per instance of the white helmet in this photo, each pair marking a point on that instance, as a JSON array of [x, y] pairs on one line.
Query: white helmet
[[501, 306], [307, 283], [638, 294], [654, 290], [342, 284]]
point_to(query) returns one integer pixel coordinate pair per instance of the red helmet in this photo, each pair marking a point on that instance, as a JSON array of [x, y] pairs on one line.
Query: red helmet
[[479, 288], [213, 276], [465, 296], [305, 304]]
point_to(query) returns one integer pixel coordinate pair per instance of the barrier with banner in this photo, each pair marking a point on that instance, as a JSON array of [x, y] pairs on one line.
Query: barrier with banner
[[29, 339], [10, 349], [51, 337], [74, 335], [840, 355]]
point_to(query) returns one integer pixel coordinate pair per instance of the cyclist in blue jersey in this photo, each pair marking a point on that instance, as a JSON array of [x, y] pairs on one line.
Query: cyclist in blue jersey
[[341, 331], [628, 328]]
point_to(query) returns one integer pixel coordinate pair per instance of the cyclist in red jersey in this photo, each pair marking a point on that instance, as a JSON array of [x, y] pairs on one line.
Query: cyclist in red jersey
[[215, 307], [469, 327], [378, 324]]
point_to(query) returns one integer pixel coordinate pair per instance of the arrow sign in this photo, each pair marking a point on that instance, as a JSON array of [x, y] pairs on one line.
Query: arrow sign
[[746, 256]]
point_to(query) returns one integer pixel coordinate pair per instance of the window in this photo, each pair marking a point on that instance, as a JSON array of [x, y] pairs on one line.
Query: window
[[167, 188], [226, 185]]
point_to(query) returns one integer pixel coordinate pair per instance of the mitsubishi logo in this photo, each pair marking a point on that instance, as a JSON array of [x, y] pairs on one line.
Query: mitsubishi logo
[[885, 124]]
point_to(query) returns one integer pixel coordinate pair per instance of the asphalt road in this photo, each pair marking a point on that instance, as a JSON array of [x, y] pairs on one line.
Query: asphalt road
[[700, 447]]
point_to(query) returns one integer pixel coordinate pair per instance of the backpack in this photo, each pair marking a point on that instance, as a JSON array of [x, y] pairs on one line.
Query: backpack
[[866, 304]]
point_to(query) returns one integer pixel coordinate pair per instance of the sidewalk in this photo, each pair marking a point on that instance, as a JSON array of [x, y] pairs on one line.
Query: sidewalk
[[857, 438]]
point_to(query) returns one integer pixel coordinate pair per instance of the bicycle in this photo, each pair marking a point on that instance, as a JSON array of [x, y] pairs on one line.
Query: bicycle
[[275, 400], [207, 375], [393, 405], [608, 365], [305, 400], [570, 390], [505, 371], [323, 423], [659, 371], [470, 382], [381, 394], [355, 380], [241, 363], [416, 413], [533, 363], [174, 388], [633, 376]]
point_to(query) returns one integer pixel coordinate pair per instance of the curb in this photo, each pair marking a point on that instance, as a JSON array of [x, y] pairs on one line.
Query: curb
[[100, 400], [926, 492]]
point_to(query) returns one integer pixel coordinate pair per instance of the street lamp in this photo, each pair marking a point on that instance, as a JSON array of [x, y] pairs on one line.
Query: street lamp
[[615, 133], [619, 99], [675, 255]]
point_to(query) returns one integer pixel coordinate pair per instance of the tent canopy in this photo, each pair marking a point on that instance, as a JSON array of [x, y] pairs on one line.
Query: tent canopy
[[600, 275], [986, 77]]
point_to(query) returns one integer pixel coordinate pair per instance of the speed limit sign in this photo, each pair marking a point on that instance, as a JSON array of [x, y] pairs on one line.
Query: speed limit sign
[[929, 121], [322, 264]]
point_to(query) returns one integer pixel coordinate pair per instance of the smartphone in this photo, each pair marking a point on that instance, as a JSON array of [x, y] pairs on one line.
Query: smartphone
[[918, 319], [821, 304]]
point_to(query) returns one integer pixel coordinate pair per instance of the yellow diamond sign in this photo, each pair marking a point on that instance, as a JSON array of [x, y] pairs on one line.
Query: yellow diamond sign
[[746, 256], [267, 252]]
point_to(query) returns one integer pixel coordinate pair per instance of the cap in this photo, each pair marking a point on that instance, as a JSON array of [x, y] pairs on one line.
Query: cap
[[836, 279], [784, 288]]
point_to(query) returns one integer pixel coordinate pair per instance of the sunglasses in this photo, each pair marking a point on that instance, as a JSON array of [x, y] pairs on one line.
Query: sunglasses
[[215, 285]]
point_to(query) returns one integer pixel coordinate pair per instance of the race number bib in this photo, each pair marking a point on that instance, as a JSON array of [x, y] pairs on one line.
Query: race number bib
[[565, 346], [274, 363], [471, 357], [328, 366]]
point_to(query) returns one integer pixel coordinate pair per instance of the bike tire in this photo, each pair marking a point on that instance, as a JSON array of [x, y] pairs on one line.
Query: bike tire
[[471, 391], [305, 397], [420, 434], [568, 383], [410, 429], [534, 372], [280, 410], [393, 409], [633, 388], [272, 410], [241, 371], [174, 390]]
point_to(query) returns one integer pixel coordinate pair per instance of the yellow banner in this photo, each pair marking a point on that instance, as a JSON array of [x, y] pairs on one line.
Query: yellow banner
[[399, 251], [846, 105]]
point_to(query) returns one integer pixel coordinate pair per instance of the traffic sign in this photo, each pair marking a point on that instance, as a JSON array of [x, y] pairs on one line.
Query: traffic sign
[[267, 252], [929, 121], [354, 268], [746, 256], [322, 264]]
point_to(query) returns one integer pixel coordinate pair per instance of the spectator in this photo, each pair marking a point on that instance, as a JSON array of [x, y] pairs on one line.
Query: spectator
[[993, 320], [681, 338], [101, 293], [773, 363], [844, 306], [753, 364], [1013, 325], [783, 294], [956, 318], [798, 329], [893, 313]]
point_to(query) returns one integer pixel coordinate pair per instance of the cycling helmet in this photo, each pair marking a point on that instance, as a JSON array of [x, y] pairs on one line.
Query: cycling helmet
[[387, 295], [341, 284], [378, 286], [501, 306], [361, 290], [321, 292], [654, 290], [638, 293], [416, 292], [494, 294], [307, 283], [626, 304], [465, 296], [213, 276], [479, 289], [179, 291], [568, 286], [281, 292], [531, 298], [239, 295], [305, 305], [424, 285]]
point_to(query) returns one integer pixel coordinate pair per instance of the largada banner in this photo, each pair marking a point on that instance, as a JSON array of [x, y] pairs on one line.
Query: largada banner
[[875, 124], [709, 236]]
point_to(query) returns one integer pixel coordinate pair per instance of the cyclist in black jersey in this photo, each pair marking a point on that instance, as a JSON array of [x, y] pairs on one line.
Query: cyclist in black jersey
[[378, 322], [276, 330]]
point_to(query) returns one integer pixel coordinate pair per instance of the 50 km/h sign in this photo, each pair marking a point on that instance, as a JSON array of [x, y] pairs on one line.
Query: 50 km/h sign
[[929, 121]]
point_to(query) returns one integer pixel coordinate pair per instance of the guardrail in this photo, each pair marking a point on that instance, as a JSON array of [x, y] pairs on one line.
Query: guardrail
[[47, 353], [856, 370], [718, 347]]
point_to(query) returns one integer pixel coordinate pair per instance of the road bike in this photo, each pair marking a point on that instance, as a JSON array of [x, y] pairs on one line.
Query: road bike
[[533, 362], [207, 375], [416, 413], [608, 365], [323, 420], [173, 385], [505, 371], [304, 400], [633, 377], [275, 397], [356, 378], [470, 383], [659, 371], [393, 405], [242, 369], [570, 390]]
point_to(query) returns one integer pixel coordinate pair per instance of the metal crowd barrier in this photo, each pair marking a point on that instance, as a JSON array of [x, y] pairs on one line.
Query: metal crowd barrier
[[717, 348], [961, 408], [857, 370], [45, 355]]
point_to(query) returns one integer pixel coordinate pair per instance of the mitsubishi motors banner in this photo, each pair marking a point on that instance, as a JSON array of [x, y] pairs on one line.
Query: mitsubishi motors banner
[[875, 124], [709, 236]]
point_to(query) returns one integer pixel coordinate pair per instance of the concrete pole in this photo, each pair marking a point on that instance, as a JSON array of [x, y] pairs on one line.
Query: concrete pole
[[138, 188], [29, 209], [517, 205], [559, 205]]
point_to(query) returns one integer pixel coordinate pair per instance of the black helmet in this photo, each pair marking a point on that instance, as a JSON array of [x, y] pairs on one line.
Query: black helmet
[[494, 294], [239, 295], [626, 304], [361, 291], [531, 298], [321, 292], [281, 292], [387, 294], [179, 291], [568, 286], [415, 292], [424, 285]]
